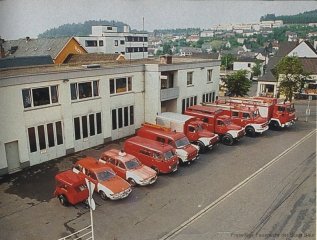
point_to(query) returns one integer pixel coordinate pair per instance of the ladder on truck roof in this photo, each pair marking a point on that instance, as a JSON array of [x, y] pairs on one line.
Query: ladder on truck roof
[[155, 126]]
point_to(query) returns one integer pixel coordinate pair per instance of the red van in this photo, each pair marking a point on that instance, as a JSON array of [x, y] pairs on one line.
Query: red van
[[158, 156], [185, 151]]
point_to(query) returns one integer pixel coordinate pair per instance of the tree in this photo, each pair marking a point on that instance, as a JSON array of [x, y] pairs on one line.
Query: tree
[[292, 75], [238, 84], [227, 61], [167, 49], [256, 69]]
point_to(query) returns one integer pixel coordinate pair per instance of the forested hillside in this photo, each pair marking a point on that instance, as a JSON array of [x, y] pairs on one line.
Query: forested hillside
[[78, 29], [306, 17]]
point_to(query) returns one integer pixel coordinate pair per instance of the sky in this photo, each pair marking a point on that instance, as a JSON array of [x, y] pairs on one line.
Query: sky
[[21, 18]]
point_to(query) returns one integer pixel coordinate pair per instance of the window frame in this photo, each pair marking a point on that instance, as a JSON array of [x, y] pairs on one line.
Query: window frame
[[113, 85], [190, 78], [94, 93], [30, 97]]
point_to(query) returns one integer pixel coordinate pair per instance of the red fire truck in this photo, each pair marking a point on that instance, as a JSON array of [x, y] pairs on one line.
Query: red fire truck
[[192, 127], [217, 122], [244, 116], [279, 115]]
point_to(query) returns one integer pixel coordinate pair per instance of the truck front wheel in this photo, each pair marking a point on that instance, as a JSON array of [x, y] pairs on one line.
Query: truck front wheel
[[274, 125], [202, 147], [63, 200], [250, 131], [103, 195], [227, 140]]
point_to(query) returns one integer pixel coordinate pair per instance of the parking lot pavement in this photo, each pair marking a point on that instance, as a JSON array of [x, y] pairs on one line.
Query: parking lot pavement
[[29, 211]]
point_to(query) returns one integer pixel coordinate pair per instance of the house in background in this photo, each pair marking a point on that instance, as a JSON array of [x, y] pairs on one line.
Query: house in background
[[268, 84], [58, 49], [107, 39], [246, 64]]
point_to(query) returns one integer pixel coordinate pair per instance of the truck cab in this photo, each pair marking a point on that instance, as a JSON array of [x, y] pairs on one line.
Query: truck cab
[[216, 121], [107, 183], [128, 167], [184, 150], [193, 128], [160, 157]]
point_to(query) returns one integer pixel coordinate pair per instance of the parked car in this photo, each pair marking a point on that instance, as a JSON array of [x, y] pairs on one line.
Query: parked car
[[158, 156], [70, 188], [128, 167], [107, 183]]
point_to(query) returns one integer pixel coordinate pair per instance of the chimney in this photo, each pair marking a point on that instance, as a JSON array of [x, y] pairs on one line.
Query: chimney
[[166, 59], [27, 39]]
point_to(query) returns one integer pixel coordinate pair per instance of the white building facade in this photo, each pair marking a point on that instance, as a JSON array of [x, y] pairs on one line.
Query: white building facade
[[46, 115], [107, 39]]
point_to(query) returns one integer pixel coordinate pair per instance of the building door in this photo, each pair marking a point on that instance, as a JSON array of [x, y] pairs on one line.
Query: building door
[[12, 155]]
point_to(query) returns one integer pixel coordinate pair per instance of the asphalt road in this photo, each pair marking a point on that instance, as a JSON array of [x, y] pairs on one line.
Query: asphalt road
[[270, 203]]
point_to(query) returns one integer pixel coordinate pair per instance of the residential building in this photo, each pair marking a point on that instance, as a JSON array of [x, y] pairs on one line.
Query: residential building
[[207, 33], [59, 49], [268, 84], [107, 39], [192, 38], [50, 111]]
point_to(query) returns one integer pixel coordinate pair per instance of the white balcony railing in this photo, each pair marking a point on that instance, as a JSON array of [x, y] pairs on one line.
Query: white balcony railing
[[169, 93]]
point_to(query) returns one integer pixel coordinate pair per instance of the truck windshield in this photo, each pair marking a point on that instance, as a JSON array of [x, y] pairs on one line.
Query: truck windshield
[[256, 114], [133, 164], [168, 155], [181, 142], [105, 175]]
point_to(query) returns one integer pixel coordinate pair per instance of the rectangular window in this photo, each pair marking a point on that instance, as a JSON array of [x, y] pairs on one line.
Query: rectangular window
[[98, 117], [191, 101], [116, 42], [41, 135], [77, 128], [26, 96], [92, 124], [54, 94], [84, 125], [195, 100], [126, 116], [111, 83], [131, 115], [187, 102], [204, 98], [96, 88], [101, 43], [114, 119], [209, 75], [73, 91], [183, 105], [50, 135], [121, 85], [120, 118], [32, 139], [129, 83], [235, 114], [145, 39], [41, 96], [121, 42], [91, 43], [84, 90], [129, 39], [59, 132], [189, 78]]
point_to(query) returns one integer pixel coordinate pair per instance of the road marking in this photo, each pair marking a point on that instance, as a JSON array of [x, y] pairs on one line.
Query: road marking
[[201, 213]]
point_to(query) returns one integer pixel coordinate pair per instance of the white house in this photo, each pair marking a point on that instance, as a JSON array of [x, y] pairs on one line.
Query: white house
[[268, 85], [207, 33], [107, 39], [47, 112]]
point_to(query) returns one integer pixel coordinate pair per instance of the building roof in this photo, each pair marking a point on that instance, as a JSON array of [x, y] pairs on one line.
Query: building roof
[[247, 59], [309, 65], [35, 47], [25, 61], [93, 57], [204, 55]]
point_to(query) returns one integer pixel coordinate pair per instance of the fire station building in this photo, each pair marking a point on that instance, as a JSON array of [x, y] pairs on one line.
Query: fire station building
[[51, 111]]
